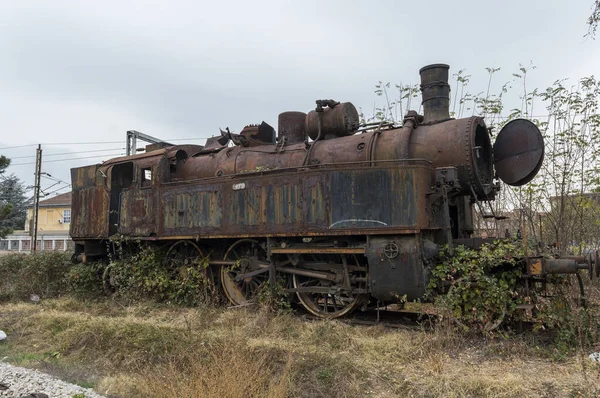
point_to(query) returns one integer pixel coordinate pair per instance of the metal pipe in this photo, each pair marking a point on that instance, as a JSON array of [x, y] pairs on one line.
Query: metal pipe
[[323, 290], [579, 259], [252, 273], [311, 274], [410, 122], [562, 266], [222, 262]]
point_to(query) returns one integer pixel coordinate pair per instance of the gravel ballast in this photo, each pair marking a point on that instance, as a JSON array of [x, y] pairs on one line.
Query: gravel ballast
[[22, 382]]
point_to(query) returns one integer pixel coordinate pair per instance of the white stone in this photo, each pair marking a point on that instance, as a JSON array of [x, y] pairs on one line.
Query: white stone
[[22, 381]]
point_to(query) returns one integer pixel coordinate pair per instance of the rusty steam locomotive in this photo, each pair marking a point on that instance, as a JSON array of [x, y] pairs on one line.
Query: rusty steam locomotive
[[345, 213]]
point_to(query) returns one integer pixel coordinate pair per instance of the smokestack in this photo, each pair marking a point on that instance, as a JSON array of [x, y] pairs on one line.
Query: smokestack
[[435, 92], [291, 125]]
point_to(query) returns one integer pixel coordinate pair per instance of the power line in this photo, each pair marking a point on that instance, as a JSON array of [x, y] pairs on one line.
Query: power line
[[82, 143], [64, 143], [69, 153], [56, 183], [18, 146], [87, 157], [51, 178], [56, 190], [78, 158], [97, 142], [66, 185], [57, 180]]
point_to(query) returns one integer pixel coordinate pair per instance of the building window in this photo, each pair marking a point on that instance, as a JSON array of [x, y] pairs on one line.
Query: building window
[[67, 216]]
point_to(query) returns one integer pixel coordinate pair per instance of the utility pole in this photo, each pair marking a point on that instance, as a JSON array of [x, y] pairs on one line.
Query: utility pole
[[36, 195]]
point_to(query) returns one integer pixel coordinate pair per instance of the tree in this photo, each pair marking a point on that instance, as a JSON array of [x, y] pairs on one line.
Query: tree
[[13, 210], [594, 19], [12, 193]]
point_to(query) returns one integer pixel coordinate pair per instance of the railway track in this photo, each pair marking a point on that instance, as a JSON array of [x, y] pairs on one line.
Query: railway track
[[394, 319], [408, 320]]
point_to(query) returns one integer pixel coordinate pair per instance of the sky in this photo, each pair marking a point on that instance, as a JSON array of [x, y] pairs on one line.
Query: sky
[[76, 75]]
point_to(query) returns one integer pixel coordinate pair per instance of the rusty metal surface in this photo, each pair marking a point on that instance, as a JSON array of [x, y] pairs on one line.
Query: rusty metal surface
[[320, 233], [339, 121], [455, 143], [89, 213], [396, 272], [291, 126], [195, 210], [560, 266], [296, 203], [198, 196], [313, 274], [89, 203], [190, 149], [518, 152], [307, 201], [435, 92], [319, 250], [534, 265], [462, 143], [257, 135], [152, 154], [138, 212]]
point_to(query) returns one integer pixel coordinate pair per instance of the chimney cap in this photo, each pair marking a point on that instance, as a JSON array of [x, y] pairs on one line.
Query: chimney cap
[[434, 66]]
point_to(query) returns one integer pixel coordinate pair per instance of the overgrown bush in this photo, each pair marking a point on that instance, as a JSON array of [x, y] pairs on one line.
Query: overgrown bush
[[573, 324], [478, 288], [42, 273], [274, 298], [143, 274], [86, 280], [139, 274]]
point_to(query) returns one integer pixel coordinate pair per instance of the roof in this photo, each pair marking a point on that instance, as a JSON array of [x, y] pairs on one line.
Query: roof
[[137, 156], [63, 199], [190, 149]]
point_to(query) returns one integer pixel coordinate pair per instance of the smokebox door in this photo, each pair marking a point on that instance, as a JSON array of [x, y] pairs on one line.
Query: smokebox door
[[518, 152]]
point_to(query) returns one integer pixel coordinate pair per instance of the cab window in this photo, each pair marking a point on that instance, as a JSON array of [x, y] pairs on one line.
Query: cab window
[[146, 176]]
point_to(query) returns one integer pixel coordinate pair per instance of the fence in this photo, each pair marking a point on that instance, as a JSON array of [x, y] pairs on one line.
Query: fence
[[23, 243]]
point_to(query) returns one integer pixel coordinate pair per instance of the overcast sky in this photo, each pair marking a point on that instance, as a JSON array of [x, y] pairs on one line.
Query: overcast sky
[[83, 71]]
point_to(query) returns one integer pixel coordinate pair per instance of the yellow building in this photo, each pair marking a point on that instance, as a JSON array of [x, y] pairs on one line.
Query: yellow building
[[53, 227], [54, 215]]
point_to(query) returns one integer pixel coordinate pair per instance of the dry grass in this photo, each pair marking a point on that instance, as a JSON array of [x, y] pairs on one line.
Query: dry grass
[[225, 370], [156, 351]]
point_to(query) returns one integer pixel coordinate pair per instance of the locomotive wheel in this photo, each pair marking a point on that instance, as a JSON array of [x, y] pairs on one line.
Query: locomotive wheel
[[247, 253], [331, 305], [181, 256]]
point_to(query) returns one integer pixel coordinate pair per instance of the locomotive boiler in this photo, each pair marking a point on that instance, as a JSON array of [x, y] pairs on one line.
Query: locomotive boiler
[[345, 214]]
